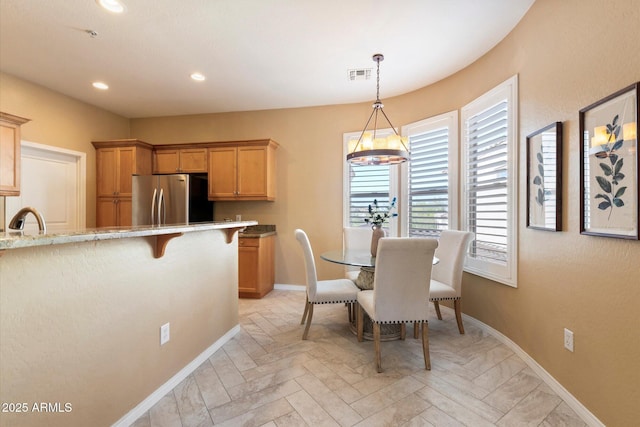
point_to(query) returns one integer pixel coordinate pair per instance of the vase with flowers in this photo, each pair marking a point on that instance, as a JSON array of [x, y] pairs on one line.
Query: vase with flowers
[[377, 217]]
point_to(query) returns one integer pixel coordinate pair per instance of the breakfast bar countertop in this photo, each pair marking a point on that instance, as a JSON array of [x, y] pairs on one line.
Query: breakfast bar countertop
[[18, 239]]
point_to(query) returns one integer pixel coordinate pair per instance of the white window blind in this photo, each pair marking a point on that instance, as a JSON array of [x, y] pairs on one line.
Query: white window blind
[[431, 188], [489, 178], [366, 184]]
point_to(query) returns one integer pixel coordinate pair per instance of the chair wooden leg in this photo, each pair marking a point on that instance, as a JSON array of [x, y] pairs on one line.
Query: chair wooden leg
[[309, 316], [436, 304], [416, 329], [403, 331], [376, 345], [360, 323], [457, 306], [425, 346], [306, 310], [349, 311]]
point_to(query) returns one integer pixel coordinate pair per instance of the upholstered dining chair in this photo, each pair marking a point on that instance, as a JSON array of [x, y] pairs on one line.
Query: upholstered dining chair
[[336, 291], [446, 277], [356, 238], [400, 287]]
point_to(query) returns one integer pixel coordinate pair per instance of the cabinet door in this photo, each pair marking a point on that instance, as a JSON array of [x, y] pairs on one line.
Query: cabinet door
[[125, 169], [256, 275], [248, 271], [106, 212], [106, 171], [9, 160], [193, 160], [252, 172], [166, 161], [113, 212], [222, 173], [124, 212]]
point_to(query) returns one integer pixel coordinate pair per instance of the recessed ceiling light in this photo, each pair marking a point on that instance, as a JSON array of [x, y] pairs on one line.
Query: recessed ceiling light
[[100, 85], [114, 6], [198, 77]]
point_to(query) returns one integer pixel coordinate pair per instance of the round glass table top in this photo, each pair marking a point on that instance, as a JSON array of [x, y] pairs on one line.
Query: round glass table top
[[354, 258], [350, 257]]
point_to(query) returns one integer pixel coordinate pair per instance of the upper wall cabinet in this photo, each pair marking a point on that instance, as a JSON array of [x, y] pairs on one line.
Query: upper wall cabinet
[[242, 170], [10, 154], [116, 162], [172, 159]]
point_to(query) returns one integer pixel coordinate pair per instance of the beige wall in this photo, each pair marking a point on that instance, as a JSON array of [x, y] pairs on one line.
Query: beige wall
[[568, 55], [60, 121], [81, 322]]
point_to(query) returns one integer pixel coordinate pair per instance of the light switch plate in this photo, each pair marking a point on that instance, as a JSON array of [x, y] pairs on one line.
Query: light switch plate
[[568, 339], [164, 334]]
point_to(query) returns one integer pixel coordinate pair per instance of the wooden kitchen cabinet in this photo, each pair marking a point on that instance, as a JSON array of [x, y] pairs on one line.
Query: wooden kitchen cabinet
[[10, 154], [256, 266], [169, 159], [242, 171], [114, 211], [116, 162]]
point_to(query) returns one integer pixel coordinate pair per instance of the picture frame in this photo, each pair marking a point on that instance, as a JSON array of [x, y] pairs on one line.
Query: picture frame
[[609, 159], [544, 178]]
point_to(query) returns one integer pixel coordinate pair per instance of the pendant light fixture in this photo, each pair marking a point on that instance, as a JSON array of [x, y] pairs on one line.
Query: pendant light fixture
[[370, 149]]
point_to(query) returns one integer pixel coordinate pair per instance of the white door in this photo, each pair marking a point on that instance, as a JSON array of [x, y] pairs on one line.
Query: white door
[[53, 182]]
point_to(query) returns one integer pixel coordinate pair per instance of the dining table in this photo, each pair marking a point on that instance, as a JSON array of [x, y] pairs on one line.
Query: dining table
[[364, 281], [357, 258]]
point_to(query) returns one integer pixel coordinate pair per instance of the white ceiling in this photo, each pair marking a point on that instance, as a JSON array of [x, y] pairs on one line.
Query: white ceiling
[[256, 54]]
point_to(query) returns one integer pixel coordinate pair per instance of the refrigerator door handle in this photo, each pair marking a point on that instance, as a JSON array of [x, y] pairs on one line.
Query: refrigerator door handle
[[153, 206], [162, 209]]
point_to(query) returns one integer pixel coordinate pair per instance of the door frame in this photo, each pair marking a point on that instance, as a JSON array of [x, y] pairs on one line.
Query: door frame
[[81, 175]]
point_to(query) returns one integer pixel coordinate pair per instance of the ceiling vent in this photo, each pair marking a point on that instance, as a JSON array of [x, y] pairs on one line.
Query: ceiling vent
[[360, 74]]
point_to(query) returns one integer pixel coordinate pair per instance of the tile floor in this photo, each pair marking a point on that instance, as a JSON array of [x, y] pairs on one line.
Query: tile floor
[[267, 376]]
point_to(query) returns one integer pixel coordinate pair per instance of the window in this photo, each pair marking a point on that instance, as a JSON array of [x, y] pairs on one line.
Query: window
[[363, 184], [489, 182], [430, 190]]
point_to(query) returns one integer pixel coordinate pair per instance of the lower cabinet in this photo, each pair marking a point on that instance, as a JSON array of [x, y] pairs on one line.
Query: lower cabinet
[[113, 212], [256, 269]]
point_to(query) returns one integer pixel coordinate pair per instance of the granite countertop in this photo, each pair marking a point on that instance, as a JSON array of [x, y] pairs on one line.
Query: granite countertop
[[257, 231], [19, 239]]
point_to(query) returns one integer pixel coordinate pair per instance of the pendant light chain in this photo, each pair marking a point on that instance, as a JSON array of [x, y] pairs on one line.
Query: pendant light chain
[[378, 81]]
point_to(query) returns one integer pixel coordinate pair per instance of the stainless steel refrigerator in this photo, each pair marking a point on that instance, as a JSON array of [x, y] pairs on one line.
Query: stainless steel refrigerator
[[170, 199]]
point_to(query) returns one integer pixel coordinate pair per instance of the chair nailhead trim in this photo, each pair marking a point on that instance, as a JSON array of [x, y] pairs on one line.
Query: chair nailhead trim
[[390, 322], [333, 302], [444, 299]]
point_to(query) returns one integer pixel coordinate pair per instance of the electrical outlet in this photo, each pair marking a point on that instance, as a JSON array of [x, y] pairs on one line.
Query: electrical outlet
[[164, 334], [568, 339], [238, 218]]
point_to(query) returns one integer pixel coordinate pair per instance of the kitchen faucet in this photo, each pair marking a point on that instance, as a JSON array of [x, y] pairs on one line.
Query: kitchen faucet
[[18, 220]]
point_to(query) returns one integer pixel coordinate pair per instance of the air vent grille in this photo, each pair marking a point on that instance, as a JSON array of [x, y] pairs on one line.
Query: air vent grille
[[360, 74]]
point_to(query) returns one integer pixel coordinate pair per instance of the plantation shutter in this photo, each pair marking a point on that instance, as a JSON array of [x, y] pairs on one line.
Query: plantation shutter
[[366, 183], [429, 183], [487, 183]]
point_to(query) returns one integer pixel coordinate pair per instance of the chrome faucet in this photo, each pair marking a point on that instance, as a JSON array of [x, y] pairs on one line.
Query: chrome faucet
[[18, 220]]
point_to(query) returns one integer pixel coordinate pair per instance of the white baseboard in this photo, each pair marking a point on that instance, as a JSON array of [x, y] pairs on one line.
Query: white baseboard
[[290, 287], [578, 408], [165, 388]]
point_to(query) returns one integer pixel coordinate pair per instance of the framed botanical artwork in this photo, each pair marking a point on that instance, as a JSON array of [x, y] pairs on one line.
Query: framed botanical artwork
[[609, 161], [544, 178]]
